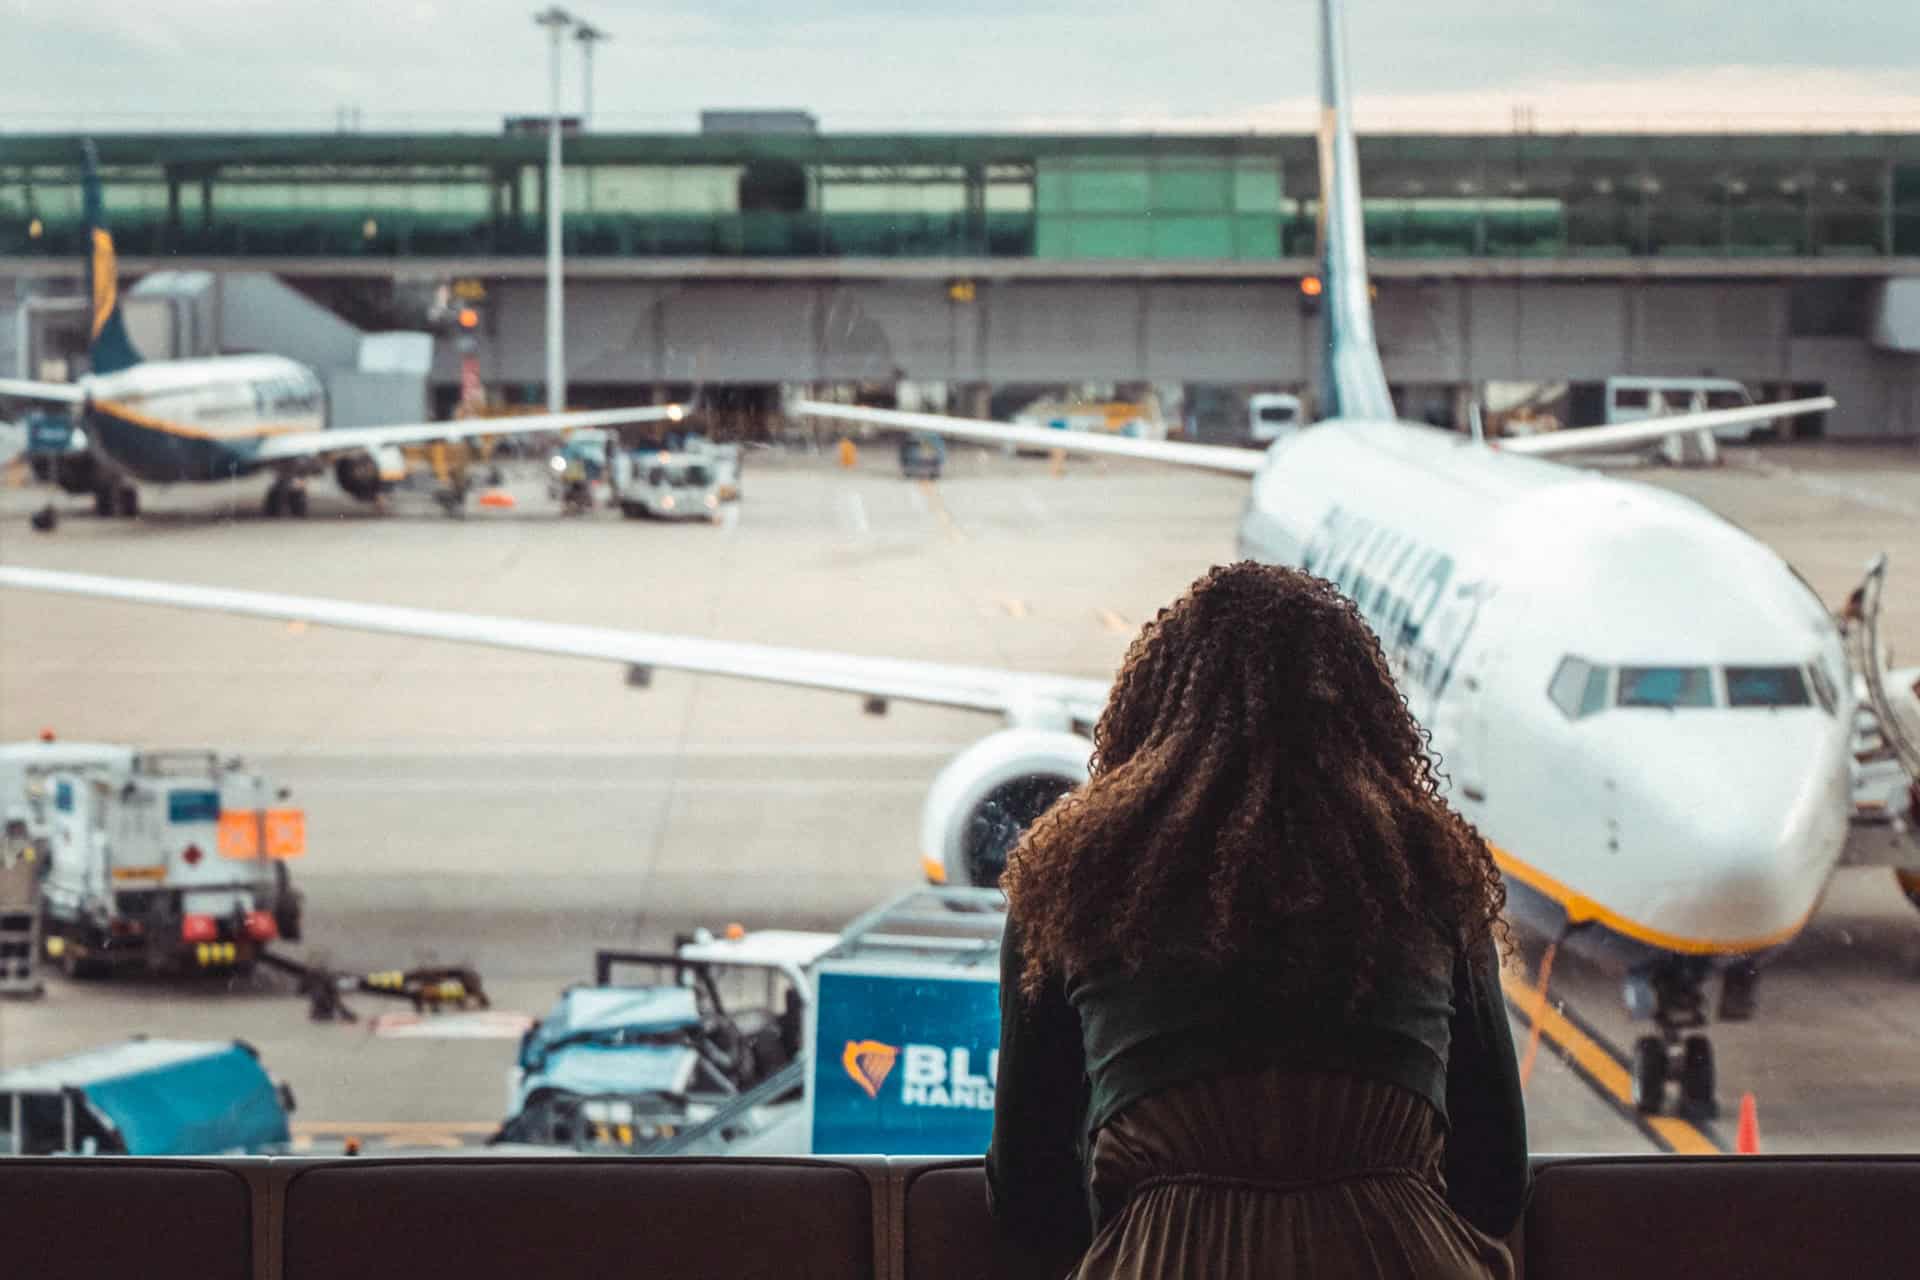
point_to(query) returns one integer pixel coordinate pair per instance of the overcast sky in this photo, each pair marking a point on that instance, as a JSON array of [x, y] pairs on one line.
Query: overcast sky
[[863, 65]]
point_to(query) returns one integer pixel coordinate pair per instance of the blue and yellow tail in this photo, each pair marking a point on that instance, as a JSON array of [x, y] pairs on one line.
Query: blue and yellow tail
[[109, 349], [1352, 382]]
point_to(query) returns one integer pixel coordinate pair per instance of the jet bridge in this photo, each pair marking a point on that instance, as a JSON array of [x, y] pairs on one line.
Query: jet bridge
[[1886, 742]]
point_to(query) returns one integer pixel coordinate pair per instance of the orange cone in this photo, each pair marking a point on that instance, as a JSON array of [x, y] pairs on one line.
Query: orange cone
[[1746, 1140]]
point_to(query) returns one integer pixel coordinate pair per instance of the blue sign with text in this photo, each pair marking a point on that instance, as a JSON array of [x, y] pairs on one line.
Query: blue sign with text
[[904, 1064]]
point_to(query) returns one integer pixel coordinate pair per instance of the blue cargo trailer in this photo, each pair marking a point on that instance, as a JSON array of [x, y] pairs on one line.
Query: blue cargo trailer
[[146, 1098]]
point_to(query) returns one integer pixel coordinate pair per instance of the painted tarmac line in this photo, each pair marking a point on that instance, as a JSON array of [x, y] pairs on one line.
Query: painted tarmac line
[[939, 506], [1604, 1070]]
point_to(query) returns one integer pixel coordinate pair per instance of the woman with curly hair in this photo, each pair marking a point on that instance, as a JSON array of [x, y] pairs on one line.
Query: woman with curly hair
[[1251, 1020]]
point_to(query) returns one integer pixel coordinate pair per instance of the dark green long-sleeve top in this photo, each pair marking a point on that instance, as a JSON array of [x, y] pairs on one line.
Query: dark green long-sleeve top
[[1076, 1056]]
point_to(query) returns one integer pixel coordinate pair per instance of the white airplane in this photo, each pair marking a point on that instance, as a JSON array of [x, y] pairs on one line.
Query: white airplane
[[198, 421], [1644, 709]]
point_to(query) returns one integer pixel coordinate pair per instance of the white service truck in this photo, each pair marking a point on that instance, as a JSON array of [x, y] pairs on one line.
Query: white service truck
[[160, 860]]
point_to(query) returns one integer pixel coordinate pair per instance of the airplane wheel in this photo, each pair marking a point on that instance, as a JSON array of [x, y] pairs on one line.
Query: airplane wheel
[[297, 503], [103, 502], [45, 520], [1697, 1078], [1909, 882], [126, 501], [1649, 1075], [275, 505]]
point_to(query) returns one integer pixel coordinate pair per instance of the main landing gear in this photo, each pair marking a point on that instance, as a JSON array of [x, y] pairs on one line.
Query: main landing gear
[[116, 500], [1673, 992], [286, 498]]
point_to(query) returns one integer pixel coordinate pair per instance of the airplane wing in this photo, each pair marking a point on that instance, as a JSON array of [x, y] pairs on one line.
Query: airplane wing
[[307, 444], [56, 392], [1211, 457], [1624, 436], [1009, 693]]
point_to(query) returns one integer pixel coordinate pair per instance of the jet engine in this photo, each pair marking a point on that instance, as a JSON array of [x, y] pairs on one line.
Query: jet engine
[[366, 475], [358, 475], [989, 794]]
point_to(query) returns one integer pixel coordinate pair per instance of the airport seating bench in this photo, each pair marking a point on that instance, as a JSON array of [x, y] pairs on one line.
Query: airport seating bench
[[888, 1219]]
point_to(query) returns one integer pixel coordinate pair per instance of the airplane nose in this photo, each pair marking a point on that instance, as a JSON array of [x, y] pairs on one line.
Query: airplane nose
[[1740, 836]]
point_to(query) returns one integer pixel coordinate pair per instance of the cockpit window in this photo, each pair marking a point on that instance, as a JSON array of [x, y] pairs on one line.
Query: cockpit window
[[1665, 687], [1767, 687], [1579, 688]]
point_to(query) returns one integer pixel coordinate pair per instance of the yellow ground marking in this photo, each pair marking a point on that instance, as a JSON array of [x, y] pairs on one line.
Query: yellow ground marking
[[396, 1133], [1114, 622], [939, 508], [1606, 1071], [1015, 608]]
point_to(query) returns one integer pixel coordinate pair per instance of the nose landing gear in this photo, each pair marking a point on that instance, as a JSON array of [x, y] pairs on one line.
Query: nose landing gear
[[1681, 1052], [286, 497]]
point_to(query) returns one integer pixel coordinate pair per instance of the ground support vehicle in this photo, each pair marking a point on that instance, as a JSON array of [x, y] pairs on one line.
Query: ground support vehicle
[[579, 470], [146, 1097], [1886, 743], [904, 1028], [19, 916], [700, 1055], [167, 861], [666, 486], [922, 456]]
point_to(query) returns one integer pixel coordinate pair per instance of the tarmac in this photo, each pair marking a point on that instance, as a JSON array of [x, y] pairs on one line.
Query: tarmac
[[514, 812]]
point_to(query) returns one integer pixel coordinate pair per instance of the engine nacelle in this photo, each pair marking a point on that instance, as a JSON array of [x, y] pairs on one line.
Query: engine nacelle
[[989, 794], [358, 476]]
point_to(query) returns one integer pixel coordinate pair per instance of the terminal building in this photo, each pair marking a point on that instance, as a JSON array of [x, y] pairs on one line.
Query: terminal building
[[758, 252]]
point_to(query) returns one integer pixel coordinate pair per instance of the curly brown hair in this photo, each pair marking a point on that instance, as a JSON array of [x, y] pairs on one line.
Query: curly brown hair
[[1258, 786]]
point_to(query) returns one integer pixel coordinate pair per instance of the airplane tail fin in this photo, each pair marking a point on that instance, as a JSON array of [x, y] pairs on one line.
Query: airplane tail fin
[[1352, 382], [109, 348]]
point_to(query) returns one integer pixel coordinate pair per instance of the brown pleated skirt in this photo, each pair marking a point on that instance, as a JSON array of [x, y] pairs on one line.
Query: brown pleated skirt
[[1279, 1173]]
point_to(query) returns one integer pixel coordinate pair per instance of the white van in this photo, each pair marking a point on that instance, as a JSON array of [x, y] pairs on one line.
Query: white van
[[1633, 399], [1272, 415]]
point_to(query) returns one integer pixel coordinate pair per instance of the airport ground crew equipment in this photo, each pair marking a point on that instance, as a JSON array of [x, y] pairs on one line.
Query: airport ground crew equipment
[[169, 861], [905, 1029], [145, 1097], [19, 913], [433, 989], [697, 1053]]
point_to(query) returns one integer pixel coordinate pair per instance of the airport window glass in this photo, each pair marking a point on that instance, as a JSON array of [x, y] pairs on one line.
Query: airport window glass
[[1665, 687], [1766, 687]]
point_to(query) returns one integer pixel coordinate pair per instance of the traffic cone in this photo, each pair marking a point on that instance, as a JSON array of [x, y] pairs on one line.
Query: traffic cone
[[1746, 1140]]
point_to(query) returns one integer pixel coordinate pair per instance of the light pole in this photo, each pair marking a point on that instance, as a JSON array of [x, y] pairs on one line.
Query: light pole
[[588, 35], [556, 20]]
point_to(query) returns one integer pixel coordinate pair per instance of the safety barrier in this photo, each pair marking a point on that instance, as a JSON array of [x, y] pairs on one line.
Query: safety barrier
[[475, 1218]]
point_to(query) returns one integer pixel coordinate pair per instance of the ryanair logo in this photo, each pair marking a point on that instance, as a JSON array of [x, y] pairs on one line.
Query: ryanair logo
[[868, 1062], [940, 1076]]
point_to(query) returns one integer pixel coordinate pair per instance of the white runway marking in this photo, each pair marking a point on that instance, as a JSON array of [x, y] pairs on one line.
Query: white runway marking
[[854, 509], [1828, 488], [1038, 509], [917, 500]]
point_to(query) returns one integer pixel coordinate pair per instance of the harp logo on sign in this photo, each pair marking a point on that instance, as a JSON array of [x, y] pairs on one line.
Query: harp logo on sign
[[931, 1075]]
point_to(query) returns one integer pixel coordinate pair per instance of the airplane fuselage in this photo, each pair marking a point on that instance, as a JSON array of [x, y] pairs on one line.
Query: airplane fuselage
[[185, 421], [1642, 708]]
